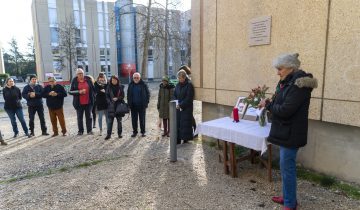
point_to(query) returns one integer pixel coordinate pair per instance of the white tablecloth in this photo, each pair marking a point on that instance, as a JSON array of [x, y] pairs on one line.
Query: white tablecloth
[[245, 133]]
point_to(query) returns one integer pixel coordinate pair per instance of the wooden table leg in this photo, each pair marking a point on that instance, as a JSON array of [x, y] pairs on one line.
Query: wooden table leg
[[233, 160], [252, 154], [226, 159], [269, 163]]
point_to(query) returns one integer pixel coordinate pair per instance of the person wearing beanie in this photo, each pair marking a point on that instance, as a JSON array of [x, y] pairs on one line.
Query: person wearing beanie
[[33, 95], [82, 89], [184, 93], [13, 107], [55, 94], [101, 104], [166, 92], [114, 96], [138, 97], [289, 108]]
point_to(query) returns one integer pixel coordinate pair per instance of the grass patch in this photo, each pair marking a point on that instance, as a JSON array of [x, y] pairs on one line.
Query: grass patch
[[329, 182], [212, 144]]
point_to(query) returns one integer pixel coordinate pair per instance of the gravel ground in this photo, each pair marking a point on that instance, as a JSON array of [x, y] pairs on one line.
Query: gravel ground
[[135, 173]]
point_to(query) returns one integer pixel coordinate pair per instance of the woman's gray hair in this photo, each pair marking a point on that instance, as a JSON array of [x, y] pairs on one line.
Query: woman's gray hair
[[288, 60], [182, 73]]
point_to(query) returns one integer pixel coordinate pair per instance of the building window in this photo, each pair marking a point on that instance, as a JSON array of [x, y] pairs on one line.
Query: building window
[[107, 37], [77, 18], [100, 20], [52, 16], [102, 54], [83, 19], [76, 5], [55, 51], [101, 38], [84, 38], [52, 3], [99, 6], [54, 35], [77, 36], [150, 55]]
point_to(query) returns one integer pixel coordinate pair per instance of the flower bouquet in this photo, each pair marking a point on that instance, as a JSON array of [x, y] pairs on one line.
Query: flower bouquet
[[253, 100]]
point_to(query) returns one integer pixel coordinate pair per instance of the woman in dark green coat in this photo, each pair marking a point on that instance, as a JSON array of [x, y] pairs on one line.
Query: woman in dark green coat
[[166, 92]]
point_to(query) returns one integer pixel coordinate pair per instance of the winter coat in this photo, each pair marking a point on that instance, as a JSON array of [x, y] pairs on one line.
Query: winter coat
[[290, 108], [74, 91], [12, 97], [119, 92], [37, 101], [165, 95], [55, 102], [184, 93], [100, 99], [145, 94]]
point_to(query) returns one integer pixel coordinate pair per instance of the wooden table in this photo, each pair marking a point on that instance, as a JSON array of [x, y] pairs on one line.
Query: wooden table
[[245, 133]]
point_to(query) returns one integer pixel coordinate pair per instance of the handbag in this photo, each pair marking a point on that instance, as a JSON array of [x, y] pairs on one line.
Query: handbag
[[122, 108]]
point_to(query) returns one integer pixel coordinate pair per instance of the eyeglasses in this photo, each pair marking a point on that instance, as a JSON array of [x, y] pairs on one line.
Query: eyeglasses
[[136, 77]]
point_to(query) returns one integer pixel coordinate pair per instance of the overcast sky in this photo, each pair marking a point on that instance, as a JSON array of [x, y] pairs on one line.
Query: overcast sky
[[16, 21]]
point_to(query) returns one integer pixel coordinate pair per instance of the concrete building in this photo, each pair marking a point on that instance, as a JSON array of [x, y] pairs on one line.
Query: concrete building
[[2, 67], [95, 36], [226, 64]]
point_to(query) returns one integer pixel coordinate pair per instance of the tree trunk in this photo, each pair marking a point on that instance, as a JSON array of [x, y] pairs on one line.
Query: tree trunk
[[166, 50], [144, 63]]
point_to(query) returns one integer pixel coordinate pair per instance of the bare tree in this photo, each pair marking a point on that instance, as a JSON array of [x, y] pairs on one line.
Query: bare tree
[[69, 45]]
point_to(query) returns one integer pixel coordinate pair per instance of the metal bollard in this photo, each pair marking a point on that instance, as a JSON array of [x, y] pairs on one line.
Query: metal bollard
[[173, 131]]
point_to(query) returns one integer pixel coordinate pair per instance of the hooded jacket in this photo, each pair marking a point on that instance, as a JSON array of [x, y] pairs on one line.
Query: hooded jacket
[[290, 109]]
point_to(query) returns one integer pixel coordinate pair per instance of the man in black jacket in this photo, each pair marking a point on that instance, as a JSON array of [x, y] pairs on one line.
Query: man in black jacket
[[55, 94], [138, 96], [33, 95]]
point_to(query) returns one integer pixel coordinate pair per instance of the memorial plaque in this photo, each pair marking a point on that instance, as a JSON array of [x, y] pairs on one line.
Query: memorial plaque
[[259, 31]]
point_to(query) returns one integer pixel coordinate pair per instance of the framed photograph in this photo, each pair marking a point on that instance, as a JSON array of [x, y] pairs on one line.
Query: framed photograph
[[241, 105]]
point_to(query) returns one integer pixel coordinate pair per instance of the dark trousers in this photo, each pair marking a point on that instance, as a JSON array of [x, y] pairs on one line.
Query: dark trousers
[[93, 111], [32, 111], [138, 112], [56, 114], [20, 115], [80, 115], [110, 125]]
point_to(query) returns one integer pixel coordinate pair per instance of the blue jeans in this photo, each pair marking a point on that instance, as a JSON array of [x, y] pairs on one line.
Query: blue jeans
[[288, 175], [20, 115], [100, 116]]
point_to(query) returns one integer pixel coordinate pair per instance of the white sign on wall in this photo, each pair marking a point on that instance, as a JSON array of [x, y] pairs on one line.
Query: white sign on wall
[[259, 31]]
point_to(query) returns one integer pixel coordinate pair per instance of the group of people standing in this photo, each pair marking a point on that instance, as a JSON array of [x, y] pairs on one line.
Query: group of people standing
[[91, 97]]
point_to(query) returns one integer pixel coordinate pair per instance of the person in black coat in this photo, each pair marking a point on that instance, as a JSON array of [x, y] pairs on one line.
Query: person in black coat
[[100, 99], [289, 109], [138, 96], [13, 107], [82, 89], [114, 96], [55, 94], [184, 93], [33, 95]]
